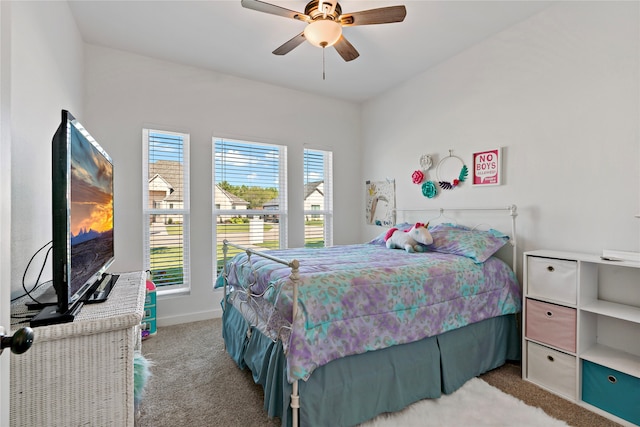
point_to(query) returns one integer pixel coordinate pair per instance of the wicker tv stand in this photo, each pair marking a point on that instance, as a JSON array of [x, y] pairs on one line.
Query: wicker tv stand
[[81, 373]]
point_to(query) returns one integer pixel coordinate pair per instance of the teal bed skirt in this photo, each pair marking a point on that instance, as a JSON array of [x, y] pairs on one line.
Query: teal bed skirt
[[354, 389]]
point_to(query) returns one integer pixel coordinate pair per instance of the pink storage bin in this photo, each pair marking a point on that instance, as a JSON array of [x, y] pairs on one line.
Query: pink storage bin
[[551, 324]]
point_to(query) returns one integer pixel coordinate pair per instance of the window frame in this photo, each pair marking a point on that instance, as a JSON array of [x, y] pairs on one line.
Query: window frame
[[148, 212], [327, 212], [282, 210]]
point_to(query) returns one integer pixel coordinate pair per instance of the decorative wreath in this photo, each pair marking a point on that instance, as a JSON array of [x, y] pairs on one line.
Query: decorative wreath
[[450, 185]]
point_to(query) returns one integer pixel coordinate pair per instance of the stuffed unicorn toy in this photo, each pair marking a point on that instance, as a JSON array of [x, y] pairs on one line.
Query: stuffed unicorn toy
[[409, 239]]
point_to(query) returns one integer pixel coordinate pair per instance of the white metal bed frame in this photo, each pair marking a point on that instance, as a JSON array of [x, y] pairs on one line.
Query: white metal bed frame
[[294, 265]]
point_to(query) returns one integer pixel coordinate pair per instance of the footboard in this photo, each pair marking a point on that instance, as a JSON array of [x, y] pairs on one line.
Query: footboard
[[294, 265]]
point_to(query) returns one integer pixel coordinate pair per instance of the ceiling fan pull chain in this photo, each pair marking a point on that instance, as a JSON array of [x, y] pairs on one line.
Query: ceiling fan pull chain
[[323, 49]]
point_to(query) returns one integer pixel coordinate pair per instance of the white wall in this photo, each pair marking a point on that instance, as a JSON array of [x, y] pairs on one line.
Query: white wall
[[560, 92], [127, 92], [46, 76], [5, 197]]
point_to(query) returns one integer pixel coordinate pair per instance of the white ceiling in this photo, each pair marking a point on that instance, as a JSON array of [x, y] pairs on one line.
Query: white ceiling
[[223, 36]]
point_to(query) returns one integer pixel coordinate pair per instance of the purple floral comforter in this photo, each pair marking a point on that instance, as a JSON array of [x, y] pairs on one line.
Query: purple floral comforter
[[358, 298]]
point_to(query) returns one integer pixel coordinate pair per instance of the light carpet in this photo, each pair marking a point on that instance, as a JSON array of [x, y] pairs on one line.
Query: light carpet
[[194, 377], [474, 404]]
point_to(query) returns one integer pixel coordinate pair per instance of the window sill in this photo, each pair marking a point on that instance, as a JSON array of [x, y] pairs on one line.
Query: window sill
[[175, 292]]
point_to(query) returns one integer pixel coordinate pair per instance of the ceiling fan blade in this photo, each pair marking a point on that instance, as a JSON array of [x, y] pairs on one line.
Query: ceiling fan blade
[[290, 45], [383, 15], [346, 49], [261, 6]]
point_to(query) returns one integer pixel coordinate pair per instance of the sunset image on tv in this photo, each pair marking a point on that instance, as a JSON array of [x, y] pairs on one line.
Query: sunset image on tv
[[91, 221]]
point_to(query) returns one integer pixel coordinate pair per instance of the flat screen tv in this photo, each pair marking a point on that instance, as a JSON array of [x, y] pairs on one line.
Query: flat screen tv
[[82, 219]]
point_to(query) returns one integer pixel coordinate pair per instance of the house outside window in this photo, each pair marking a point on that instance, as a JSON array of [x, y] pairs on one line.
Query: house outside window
[[166, 209], [315, 208]]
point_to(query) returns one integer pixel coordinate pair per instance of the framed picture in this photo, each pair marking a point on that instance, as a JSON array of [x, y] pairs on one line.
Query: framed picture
[[487, 168], [381, 203]]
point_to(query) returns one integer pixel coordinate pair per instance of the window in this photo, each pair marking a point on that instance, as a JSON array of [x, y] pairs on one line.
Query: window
[[318, 198], [166, 209], [249, 195]]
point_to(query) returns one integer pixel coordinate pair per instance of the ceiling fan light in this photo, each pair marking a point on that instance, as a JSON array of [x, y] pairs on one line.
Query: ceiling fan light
[[323, 32]]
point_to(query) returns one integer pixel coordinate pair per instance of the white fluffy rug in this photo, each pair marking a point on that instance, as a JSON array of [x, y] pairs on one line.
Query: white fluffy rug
[[475, 404]]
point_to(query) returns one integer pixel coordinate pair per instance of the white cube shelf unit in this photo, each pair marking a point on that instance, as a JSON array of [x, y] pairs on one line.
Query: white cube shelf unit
[[581, 330]]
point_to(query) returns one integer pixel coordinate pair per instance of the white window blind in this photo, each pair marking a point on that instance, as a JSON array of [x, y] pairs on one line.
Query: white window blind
[[249, 195], [318, 198], [166, 209]]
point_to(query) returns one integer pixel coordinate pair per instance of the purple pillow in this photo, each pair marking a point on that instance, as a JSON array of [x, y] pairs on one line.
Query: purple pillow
[[478, 245]]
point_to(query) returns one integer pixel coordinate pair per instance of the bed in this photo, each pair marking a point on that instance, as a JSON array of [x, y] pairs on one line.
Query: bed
[[336, 336]]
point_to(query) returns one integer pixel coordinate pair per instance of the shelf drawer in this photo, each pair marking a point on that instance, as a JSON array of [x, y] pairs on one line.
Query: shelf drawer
[[551, 324], [555, 279], [552, 369], [611, 391]]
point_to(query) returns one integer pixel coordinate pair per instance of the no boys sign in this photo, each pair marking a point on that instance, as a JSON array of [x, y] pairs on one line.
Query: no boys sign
[[486, 167]]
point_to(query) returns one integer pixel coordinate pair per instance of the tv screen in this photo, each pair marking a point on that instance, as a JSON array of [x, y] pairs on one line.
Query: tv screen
[[91, 212], [82, 201]]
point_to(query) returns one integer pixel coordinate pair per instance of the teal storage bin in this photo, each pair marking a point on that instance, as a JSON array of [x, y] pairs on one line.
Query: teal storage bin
[[612, 391]]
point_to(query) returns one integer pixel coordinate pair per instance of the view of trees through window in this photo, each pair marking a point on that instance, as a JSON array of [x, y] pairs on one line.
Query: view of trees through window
[[249, 193], [256, 196]]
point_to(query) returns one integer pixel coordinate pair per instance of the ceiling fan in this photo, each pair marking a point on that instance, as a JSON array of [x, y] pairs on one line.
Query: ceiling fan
[[325, 21]]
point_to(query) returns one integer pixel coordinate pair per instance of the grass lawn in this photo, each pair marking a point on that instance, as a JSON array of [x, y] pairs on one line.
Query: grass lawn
[[239, 228], [166, 265], [174, 229]]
